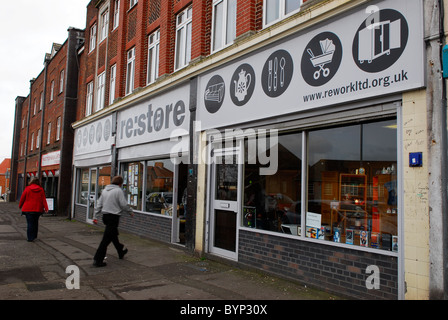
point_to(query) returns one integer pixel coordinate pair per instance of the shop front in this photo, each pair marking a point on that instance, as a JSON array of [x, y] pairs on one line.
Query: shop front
[[152, 144], [93, 157], [302, 148], [146, 143]]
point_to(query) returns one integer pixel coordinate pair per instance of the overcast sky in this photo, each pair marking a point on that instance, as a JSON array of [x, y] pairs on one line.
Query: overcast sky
[[28, 29]]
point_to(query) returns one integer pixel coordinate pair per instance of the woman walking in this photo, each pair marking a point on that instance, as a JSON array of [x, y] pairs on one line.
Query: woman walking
[[33, 204]]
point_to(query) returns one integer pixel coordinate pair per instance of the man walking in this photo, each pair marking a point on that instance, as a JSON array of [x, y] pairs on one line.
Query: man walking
[[111, 203]]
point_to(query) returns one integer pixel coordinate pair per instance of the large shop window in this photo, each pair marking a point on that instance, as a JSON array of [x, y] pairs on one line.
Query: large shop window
[[149, 186], [352, 185], [351, 189], [273, 202], [96, 182]]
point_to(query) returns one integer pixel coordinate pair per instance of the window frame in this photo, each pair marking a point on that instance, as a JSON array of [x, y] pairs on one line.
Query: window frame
[[132, 3], [113, 77], [61, 81], [89, 99], [116, 14], [130, 71], [101, 92], [92, 42], [52, 91], [104, 25], [281, 13], [153, 59], [183, 58], [49, 133], [58, 129], [224, 28]]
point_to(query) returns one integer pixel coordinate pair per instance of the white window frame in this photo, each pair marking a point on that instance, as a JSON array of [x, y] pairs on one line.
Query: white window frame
[[89, 99], [116, 14], [49, 133], [226, 18], [130, 71], [58, 129], [35, 107], [104, 27], [281, 12], [101, 91], [61, 81], [52, 91], [41, 100], [113, 77], [183, 43], [37, 139], [92, 38], [32, 141], [153, 57], [132, 3]]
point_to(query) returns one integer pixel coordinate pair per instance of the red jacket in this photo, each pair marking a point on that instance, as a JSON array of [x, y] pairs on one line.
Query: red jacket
[[33, 199]]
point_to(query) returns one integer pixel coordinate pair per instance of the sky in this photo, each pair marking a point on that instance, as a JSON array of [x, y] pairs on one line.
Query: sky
[[28, 29]]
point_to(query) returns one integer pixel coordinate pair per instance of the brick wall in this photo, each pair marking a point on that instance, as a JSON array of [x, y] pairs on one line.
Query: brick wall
[[334, 269], [144, 225]]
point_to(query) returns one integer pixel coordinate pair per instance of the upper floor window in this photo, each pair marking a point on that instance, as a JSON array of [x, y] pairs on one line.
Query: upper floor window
[[58, 129], [32, 141], [104, 28], [153, 56], [38, 139], [61, 81], [130, 71], [113, 76], [183, 38], [276, 10], [116, 13], [35, 107], [92, 38], [52, 91], [89, 99], [41, 101], [224, 23], [132, 3], [101, 91], [49, 133]]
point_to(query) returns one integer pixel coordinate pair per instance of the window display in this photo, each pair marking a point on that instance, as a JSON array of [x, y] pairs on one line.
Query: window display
[[351, 187], [273, 202], [352, 195]]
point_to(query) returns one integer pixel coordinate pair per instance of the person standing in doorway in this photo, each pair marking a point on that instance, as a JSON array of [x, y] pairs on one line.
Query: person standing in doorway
[[33, 204], [111, 204]]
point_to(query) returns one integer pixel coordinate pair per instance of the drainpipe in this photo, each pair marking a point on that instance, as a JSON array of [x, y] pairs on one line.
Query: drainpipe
[[437, 157]]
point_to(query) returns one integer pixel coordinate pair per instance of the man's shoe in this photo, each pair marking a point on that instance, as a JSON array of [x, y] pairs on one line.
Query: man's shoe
[[99, 264], [121, 255]]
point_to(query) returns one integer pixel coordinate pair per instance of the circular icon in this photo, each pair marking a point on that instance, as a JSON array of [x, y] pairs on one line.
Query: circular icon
[[242, 84], [214, 94], [99, 132], [85, 137], [107, 130], [92, 134], [277, 73], [321, 59], [380, 40]]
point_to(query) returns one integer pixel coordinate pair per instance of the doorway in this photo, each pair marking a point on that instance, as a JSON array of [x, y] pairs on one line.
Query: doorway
[[225, 204]]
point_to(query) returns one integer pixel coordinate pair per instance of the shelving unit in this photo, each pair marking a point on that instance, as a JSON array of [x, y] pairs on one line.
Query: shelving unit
[[353, 200]]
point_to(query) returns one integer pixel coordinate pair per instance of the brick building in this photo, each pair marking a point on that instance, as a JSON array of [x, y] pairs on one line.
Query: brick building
[[43, 136], [5, 168], [341, 93]]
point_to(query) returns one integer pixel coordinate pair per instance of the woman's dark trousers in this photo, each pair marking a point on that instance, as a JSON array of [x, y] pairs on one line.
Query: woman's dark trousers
[[32, 220]]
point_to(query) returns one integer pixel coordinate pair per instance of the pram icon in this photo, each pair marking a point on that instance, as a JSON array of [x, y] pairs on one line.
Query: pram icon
[[328, 49]]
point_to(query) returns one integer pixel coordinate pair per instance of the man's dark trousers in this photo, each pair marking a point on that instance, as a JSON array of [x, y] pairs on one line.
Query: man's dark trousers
[[111, 222]]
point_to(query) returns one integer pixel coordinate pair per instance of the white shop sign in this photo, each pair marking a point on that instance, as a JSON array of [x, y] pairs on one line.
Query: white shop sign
[[51, 159], [155, 119], [94, 137], [357, 56]]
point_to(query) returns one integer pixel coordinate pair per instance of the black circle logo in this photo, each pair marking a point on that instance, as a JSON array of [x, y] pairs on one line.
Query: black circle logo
[[242, 84], [380, 40], [277, 73], [214, 94], [321, 59]]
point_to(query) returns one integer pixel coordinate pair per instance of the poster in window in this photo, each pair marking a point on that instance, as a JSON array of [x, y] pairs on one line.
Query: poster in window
[[364, 238], [349, 236]]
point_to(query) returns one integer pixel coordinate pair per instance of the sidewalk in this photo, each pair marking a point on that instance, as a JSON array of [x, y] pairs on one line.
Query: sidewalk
[[150, 271]]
